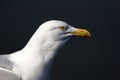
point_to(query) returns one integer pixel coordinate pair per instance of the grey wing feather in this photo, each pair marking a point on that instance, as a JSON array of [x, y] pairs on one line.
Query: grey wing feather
[[6, 69], [5, 62], [8, 75]]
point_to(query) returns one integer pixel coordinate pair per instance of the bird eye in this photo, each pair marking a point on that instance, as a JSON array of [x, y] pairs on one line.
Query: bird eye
[[61, 27]]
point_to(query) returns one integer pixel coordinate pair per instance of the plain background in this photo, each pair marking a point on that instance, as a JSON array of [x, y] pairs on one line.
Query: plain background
[[94, 58]]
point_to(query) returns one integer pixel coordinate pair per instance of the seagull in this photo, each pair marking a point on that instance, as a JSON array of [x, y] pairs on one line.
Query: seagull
[[33, 62]]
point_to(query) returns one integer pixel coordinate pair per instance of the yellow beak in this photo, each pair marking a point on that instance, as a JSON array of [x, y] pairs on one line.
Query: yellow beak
[[80, 32]]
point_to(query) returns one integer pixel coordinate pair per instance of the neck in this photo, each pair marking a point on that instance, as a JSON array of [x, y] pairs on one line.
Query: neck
[[46, 47]]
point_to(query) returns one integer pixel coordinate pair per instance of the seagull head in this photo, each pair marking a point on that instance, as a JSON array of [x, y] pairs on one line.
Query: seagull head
[[60, 30], [52, 35]]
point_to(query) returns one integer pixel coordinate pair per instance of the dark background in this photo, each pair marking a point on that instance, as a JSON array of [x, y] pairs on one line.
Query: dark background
[[94, 58]]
